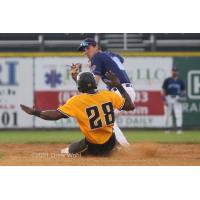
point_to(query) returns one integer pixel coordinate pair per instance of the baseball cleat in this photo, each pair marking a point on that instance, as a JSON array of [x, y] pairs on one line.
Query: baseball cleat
[[179, 132], [167, 131]]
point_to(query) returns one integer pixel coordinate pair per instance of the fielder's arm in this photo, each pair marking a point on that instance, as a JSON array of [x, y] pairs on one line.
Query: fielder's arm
[[183, 93], [114, 82], [75, 70], [97, 77], [46, 115], [182, 96], [163, 92]]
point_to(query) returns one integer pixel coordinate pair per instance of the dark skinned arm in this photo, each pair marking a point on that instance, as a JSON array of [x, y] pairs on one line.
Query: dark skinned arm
[[46, 115], [114, 82]]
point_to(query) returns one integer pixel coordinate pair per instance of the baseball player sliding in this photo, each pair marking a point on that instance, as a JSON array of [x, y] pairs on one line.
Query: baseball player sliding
[[173, 94], [100, 63], [94, 112]]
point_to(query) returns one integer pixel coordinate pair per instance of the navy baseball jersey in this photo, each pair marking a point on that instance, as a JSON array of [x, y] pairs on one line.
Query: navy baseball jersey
[[103, 62], [114, 55], [173, 87]]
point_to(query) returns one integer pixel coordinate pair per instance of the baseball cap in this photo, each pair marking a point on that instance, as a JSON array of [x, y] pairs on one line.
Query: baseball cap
[[86, 42]]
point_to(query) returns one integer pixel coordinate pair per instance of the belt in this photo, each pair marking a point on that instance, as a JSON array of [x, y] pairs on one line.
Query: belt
[[128, 84], [125, 84], [173, 96]]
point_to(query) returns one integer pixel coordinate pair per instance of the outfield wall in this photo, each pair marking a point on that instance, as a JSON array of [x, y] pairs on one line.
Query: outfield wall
[[44, 80]]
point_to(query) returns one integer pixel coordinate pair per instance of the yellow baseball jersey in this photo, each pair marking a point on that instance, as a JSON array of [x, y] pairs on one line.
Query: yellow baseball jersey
[[94, 113]]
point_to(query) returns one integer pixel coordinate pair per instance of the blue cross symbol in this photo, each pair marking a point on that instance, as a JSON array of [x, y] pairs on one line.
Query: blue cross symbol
[[53, 78]]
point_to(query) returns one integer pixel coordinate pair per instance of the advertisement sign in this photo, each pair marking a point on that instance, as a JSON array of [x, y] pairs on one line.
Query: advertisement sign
[[147, 75], [16, 87], [54, 85], [47, 83], [189, 72]]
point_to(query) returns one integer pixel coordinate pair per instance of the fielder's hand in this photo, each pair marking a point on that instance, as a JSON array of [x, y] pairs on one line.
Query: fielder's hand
[[27, 109], [75, 70], [113, 80], [165, 101], [181, 99]]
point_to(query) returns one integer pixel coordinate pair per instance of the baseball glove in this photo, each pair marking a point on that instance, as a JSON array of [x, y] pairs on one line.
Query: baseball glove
[[75, 70], [182, 99]]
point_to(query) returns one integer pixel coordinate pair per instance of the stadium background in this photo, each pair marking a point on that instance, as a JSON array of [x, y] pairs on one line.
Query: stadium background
[[33, 70]]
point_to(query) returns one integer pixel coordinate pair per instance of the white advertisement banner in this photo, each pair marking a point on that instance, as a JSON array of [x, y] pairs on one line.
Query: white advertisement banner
[[16, 87], [53, 81], [148, 73], [54, 85]]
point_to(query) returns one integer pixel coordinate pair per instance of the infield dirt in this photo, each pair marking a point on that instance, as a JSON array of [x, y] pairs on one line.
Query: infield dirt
[[142, 154]]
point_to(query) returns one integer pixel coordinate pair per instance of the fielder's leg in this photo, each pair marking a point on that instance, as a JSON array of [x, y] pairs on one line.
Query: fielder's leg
[[168, 117], [179, 117], [118, 133], [120, 136]]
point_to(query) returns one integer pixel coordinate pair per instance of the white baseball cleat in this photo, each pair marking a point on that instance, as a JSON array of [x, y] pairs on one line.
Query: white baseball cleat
[[167, 131], [65, 151], [179, 132]]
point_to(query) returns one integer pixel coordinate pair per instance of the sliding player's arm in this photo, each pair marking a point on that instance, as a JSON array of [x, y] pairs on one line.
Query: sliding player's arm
[[46, 115], [114, 82], [97, 77]]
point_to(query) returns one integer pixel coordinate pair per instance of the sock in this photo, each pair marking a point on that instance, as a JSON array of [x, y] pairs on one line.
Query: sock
[[120, 136]]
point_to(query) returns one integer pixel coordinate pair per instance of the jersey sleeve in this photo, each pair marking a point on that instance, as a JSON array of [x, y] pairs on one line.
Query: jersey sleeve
[[69, 108], [117, 100], [120, 58], [97, 66], [164, 86], [182, 86]]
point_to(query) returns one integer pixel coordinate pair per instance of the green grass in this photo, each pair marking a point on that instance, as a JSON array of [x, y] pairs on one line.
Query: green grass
[[69, 136]]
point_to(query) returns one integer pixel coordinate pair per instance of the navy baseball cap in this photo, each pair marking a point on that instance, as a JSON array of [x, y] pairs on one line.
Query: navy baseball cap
[[86, 42]]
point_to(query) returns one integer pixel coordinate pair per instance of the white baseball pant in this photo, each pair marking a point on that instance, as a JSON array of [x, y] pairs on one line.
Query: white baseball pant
[[118, 133], [173, 106]]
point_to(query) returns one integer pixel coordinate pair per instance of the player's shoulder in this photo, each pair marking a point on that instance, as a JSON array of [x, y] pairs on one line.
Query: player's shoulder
[[180, 80], [168, 79], [112, 54], [100, 55], [108, 93], [74, 99], [97, 58], [104, 92]]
